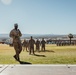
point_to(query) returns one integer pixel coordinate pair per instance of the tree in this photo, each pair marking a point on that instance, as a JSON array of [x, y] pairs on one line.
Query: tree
[[70, 37]]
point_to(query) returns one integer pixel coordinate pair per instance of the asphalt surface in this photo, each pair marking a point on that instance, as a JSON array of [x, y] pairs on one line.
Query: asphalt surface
[[37, 69]]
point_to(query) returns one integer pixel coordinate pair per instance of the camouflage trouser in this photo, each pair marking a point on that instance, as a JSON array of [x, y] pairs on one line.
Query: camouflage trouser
[[31, 49], [18, 48], [25, 46], [43, 47], [37, 47]]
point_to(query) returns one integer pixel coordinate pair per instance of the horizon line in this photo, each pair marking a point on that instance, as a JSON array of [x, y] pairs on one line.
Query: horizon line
[[38, 34]]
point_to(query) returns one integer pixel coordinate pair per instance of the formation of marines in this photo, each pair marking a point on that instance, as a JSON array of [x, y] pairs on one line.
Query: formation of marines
[[15, 34], [32, 43]]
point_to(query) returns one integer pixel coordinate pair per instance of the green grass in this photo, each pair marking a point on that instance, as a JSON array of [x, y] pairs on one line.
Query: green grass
[[53, 55]]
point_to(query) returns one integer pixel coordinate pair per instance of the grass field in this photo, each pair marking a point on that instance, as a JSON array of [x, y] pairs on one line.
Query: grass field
[[53, 55]]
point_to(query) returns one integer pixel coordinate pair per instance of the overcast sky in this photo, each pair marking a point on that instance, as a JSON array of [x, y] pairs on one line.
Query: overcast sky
[[38, 16]]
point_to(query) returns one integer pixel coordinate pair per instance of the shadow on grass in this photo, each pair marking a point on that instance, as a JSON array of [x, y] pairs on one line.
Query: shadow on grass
[[49, 51], [39, 55], [23, 62]]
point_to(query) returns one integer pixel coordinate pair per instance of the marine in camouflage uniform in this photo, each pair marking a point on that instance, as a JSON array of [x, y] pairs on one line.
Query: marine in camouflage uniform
[[43, 44], [25, 45], [31, 45], [15, 34], [37, 45]]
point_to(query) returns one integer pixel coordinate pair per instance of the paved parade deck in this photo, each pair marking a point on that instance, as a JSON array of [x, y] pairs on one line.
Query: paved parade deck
[[37, 69]]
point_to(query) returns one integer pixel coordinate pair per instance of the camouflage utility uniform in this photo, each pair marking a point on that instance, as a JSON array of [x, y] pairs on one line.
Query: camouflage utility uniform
[[16, 34], [37, 45], [43, 44], [31, 45], [25, 45]]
